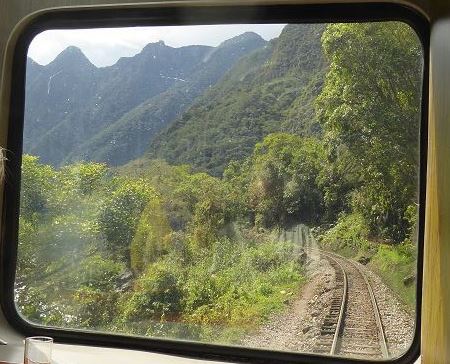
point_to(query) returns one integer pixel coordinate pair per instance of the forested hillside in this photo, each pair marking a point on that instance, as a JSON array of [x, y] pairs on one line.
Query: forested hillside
[[75, 111], [317, 127], [270, 90]]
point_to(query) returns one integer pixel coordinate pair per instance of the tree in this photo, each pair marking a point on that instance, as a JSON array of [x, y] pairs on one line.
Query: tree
[[283, 187], [211, 209], [84, 177], [152, 237], [36, 186], [120, 214], [155, 295], [370, 107]]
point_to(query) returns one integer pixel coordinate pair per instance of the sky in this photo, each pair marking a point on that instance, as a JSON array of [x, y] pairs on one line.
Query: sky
[[104, 46]]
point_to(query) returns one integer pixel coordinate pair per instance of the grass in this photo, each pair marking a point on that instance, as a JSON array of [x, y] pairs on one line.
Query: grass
[[248, 283], [222, 294], [393, 263]]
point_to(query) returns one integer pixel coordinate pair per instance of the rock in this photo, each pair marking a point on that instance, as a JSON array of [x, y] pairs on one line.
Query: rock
[[125, 281], [408, 280], [125, 287], [363, 260], [302, 257], [126, 276], [306, 329]]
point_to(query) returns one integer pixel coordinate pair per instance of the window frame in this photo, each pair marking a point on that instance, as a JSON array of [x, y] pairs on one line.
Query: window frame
[[185, 14]]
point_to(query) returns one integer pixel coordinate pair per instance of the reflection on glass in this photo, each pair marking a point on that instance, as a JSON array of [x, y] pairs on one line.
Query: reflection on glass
[[250, 185]]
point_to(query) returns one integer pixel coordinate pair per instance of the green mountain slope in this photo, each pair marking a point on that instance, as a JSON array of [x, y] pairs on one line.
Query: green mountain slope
[[76, 111], [70, 100], [128, 137], [273, 89]]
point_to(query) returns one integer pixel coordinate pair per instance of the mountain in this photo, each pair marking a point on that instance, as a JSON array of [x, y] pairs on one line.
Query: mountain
[[75, 110], [54, 94], [272, 89], [129, 136]]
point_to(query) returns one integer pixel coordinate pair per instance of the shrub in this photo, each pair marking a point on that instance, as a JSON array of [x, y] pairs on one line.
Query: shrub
[[99, 273], [156, 294], [152, 238], [347, 236], [95, 308], [395, 263]]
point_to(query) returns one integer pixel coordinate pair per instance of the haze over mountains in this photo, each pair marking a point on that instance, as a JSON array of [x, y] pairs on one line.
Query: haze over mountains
[[196, 104]]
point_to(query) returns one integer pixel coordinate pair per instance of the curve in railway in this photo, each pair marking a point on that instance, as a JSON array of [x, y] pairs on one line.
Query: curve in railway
[[353, 327]]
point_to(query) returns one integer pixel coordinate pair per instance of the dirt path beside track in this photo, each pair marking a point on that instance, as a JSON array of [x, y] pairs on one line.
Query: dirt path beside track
[[298, 326]]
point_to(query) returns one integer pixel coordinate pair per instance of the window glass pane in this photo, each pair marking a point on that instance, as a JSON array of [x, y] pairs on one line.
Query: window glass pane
[[250, 185]]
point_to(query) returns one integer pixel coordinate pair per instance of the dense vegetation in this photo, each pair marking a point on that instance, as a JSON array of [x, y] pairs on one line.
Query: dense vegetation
[[136, 254], [189, 247]]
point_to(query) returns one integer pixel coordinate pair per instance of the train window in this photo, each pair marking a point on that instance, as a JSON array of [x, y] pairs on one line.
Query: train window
[[246, 186]]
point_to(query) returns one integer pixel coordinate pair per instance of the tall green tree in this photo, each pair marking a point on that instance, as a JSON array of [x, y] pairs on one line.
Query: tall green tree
[[36, 186], [284, 180], [152, 237], [120, 214], [370, 108]]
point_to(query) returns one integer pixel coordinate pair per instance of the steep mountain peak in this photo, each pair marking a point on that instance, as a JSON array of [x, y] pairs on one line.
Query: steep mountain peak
[[270, 90], [249, 35], [71, 56], [32, 63], [243, 38], [298, 49], [151, 50], [155, 45], [72, 50], [112, 113]]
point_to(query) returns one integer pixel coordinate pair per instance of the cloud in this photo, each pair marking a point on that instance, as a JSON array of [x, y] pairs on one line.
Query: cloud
[[104, 46]]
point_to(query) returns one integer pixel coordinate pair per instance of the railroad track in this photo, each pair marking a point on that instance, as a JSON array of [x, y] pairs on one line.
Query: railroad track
[[352, 327]]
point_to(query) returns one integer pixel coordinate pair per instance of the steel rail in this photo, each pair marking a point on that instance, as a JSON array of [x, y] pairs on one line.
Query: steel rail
[[340, 325], [340, 322], [376, 310]]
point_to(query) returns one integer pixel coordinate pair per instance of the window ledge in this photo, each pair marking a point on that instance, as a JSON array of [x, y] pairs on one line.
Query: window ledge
[[75, 354]]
